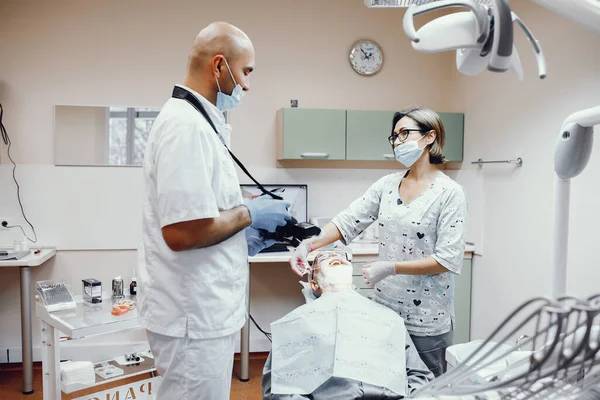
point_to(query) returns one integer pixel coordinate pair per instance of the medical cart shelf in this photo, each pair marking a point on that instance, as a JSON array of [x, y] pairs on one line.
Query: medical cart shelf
[[145, 367], [86, 320], [83, 321]]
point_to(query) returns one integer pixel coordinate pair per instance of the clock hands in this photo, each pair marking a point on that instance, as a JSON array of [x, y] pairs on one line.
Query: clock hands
[[366, 56]]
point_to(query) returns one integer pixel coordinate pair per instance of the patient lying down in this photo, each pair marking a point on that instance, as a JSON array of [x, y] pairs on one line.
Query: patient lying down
[[340, 345]]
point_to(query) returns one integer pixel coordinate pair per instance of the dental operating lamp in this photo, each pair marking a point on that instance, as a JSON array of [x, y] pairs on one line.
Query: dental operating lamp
[[483, 37]]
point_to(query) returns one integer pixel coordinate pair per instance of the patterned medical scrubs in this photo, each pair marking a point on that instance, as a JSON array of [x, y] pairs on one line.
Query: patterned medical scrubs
[[433, 224]]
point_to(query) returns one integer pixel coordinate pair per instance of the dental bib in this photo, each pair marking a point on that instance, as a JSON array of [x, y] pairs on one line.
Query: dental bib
[[343, 335]]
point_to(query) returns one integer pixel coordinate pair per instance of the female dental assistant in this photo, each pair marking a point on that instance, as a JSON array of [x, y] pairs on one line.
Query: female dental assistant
[[421, 214]]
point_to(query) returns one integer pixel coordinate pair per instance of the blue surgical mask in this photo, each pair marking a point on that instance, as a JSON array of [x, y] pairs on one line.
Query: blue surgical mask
[[408, 153], [229, 101]]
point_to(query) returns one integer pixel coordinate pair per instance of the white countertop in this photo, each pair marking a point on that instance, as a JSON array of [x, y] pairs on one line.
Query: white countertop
[[32, 260], [357, 249]]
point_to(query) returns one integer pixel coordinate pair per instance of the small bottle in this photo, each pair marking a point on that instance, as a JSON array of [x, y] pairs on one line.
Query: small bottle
[[24, 245], [133, 286]]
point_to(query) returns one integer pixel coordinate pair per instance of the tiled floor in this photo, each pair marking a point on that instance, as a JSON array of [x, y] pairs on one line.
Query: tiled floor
[[10, 382]]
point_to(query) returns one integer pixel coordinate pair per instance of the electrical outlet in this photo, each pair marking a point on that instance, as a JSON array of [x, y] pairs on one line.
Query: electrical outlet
[[9, 222]]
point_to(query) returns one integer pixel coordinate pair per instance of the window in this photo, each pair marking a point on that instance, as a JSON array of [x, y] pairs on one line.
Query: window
[[127, 134], [127, 131]]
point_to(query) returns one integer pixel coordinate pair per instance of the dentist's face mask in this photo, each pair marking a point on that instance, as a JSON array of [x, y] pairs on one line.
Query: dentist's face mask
[[408, 153], [229, 101]]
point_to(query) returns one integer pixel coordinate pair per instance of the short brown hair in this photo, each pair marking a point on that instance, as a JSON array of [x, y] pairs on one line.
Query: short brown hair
[[428, 120]]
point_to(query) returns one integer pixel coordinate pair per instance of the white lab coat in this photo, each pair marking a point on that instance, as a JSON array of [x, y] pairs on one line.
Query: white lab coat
[[197, 294], [189, 175]]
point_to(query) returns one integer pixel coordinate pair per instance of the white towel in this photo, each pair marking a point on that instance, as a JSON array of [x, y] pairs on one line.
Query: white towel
[[77, 372]]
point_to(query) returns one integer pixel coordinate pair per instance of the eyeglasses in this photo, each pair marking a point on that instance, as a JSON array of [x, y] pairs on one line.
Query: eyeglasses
[[403, 135]]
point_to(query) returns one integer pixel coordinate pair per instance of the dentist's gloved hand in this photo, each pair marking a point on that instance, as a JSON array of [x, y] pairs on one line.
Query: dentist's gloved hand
[[267, 213], [256, 241], [298, 260], [377, 271]]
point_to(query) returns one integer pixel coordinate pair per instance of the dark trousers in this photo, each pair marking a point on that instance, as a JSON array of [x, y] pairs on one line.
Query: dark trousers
[[432, 350]]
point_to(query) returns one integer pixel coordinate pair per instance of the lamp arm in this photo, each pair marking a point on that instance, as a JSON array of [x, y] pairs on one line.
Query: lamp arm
[[572, 153]]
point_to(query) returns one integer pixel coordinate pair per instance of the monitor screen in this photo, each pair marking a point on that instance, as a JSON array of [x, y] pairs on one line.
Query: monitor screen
[[296, 195]]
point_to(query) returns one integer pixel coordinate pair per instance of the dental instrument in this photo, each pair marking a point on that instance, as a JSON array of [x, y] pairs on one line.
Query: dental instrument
[[564, 351]]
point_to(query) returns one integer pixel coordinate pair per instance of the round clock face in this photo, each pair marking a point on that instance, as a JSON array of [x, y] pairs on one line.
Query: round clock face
[[366, 57]]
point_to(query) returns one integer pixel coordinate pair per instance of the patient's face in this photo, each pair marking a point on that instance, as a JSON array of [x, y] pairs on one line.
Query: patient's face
[[331, 270]]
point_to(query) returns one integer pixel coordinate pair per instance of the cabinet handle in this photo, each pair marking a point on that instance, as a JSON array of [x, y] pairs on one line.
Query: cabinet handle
[[314, 155], [389, 156]]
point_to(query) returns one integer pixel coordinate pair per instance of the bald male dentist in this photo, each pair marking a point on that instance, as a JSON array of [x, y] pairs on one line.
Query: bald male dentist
[[196, 231]]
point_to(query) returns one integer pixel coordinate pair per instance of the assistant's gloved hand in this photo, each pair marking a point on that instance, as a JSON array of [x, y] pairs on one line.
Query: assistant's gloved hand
[[377, 271], [256, 241], [267, 213], [298, 259]]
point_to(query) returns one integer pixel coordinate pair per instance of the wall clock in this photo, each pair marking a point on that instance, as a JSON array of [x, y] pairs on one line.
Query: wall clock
[[366, 57]]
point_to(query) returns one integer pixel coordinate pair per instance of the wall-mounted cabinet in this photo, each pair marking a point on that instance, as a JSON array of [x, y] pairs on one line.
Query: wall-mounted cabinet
[[366, 135], [454, 125], [313, 134], [351, 136]]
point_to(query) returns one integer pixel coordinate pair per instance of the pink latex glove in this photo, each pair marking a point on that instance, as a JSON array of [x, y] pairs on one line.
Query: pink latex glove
[[377, 271], [298, 260]]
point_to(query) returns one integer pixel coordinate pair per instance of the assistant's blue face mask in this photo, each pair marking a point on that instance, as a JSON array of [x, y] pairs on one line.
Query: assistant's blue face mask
[[229, 101], [408, 153]]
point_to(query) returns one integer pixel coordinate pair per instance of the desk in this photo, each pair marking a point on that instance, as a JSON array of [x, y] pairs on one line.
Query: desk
[[361, 254], [83, 320], [25, 264]]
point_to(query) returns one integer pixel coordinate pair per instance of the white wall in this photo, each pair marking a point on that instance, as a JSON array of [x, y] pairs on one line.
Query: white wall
[[506, 119], [131, 53]]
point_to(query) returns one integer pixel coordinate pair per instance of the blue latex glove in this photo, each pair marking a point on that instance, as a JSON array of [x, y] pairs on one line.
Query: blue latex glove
[[267, 213], [256, 241]]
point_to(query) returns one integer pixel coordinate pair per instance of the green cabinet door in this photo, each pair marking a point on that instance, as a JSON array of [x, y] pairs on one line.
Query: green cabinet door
[[366, 135], [454, 125], [462, 304], [313, 134]]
